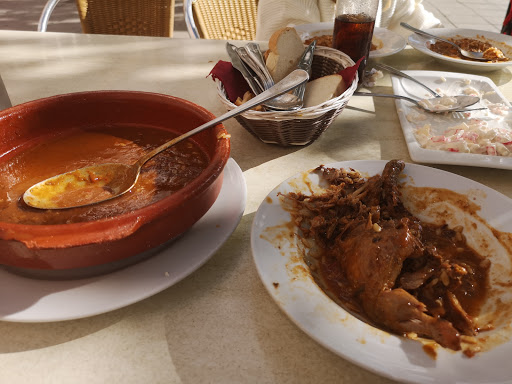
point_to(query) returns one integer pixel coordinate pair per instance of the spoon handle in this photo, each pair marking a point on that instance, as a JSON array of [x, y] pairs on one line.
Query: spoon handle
[[405, 76], [294, 79], [389, 96], [423, 33]]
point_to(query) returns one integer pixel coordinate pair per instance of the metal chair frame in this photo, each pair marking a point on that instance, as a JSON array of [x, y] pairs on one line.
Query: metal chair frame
[[192, 30], [45, 15]]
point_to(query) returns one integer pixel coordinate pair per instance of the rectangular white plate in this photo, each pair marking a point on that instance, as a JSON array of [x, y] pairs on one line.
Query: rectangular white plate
[[449, 84]]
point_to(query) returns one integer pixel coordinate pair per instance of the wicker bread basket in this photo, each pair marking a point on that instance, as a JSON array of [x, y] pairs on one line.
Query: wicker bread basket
[[305, 125]]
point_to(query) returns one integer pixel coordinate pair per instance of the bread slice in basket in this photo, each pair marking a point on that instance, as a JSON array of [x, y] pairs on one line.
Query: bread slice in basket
[[324, 88], [285, 48]]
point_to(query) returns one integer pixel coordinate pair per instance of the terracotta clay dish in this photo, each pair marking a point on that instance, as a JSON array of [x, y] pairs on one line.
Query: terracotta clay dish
[[49, 136]]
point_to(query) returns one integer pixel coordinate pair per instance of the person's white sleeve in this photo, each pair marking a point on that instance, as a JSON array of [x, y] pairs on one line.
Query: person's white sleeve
[[385, 13], [409, 11], [275, 14], [326, 8]]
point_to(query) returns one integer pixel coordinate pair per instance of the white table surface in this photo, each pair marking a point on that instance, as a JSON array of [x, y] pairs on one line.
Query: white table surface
[[219, 325]]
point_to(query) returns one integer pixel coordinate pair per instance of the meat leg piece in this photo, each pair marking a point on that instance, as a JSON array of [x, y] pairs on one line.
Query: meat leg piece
[[372, 262], [401, 312], [373, 259]]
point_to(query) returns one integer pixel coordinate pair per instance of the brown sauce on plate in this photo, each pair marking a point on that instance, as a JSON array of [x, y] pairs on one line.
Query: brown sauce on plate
[[491, 52]]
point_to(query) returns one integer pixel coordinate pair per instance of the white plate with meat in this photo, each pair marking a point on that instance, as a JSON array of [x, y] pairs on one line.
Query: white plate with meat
[[430, 194]]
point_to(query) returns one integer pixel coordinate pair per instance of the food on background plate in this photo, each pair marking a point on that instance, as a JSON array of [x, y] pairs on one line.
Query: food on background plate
[[326, 41], [372, 256], [323, 40], [285, 48], [168, 172], [376, 43], [484, 132], [474, 136], [323, 89], [442, 103], [480, 44]]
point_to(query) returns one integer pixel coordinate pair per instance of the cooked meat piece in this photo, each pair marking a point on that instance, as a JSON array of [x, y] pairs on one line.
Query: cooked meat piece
[[390, 192], [458, 315], [401, 312], [372, 262], [414, 280]]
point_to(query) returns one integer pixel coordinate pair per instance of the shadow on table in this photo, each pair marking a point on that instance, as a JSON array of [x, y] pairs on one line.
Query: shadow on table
[[501, 77], [409, 59], [250, 152], [20, 337], [234, 332]]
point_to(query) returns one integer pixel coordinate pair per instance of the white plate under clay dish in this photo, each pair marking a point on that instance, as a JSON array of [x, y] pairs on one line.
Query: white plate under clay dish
[[388, 41], [34, 300], [287, 278], [503, 42], [445, 138]]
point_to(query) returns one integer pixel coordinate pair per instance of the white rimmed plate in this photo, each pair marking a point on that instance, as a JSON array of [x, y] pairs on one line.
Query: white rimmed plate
[[391, 42], [503, 42], [33, 300], [286, 278], [451, 84]]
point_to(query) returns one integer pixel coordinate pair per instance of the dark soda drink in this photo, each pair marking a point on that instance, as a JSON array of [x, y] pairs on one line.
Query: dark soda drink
[[353, 35]]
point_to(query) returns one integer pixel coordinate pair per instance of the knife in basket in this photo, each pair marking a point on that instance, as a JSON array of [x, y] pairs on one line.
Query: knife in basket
[[305, 64], [295, 99], [237, 63]]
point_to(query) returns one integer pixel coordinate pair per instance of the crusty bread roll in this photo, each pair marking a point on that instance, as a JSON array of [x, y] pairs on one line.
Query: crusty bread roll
[[322, 89], [285, 48]]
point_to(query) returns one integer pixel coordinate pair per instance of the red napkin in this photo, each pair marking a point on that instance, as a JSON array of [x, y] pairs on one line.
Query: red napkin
[[349, 73], [236, 86], [232, 80]]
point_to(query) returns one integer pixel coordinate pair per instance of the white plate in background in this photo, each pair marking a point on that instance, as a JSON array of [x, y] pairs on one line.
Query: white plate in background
[[287, 279], [503, 42], [392, 42], [451, 84], [32, 300]]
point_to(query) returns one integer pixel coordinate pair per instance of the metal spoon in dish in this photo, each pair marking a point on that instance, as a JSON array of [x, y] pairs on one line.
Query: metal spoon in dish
[[435, 105], [405, 76], [468, 54], [101, 182]]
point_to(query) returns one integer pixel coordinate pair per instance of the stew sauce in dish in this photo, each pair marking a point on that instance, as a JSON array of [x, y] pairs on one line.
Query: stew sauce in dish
[[163, 175]]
